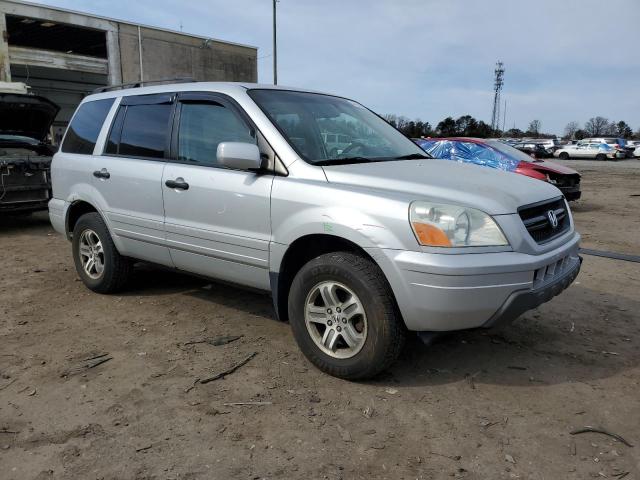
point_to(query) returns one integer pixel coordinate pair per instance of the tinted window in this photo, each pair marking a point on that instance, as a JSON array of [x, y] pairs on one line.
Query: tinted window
[[114, 134], [366, 136], [144, 131], [203, 126], [85, 127]]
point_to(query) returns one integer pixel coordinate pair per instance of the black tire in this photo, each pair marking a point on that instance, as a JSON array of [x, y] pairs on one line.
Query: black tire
[[563, 155], [601, 157], [386, 331], [117, 269]]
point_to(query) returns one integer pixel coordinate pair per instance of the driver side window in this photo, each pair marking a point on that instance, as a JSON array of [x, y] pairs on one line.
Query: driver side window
[[203, 126]]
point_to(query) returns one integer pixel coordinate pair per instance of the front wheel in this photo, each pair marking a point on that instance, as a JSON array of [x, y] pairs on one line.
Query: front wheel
[[601, 157], [564, 155], [344, 317], [97, 261]]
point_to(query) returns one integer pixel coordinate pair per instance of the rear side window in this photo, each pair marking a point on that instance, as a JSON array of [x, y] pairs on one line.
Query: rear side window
[[85, 127], [140, 129]]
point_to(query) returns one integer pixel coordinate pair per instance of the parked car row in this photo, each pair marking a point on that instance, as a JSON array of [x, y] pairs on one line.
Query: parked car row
[[499, 155], [598, 148]]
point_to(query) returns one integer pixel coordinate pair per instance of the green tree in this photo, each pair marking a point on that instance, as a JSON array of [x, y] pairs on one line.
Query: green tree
[[447, 128], [514, 133], [622, 129]]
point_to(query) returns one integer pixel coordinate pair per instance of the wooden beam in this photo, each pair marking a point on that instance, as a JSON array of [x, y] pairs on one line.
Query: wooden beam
[[64, 61]]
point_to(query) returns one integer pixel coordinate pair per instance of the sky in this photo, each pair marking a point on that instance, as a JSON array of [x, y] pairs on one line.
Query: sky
[[564, 60]]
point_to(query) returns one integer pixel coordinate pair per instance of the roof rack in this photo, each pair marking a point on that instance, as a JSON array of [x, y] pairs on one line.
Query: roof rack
[[142, 83]]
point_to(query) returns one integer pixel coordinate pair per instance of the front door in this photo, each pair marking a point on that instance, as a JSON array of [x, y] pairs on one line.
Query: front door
[[217, 220]]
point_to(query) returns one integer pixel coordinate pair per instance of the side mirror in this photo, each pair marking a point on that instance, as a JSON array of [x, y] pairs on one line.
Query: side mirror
[[239, 155]]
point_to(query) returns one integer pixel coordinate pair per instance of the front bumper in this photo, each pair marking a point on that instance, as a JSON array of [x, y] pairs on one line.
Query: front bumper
[[444, 292], [571, 193]]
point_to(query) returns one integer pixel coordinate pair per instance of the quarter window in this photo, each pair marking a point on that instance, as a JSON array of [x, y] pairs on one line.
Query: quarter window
[[203, 126], [85, 127]]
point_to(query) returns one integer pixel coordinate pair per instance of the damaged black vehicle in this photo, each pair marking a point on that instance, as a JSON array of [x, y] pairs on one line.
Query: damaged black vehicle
[[25, 152]]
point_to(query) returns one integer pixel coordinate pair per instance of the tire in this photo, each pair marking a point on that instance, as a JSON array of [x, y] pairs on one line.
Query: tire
[[382, 331], [563, 155], [601, 157], [115, 270]]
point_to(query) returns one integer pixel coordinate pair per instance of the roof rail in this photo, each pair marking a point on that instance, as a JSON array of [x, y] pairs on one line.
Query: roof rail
[[120, 86]]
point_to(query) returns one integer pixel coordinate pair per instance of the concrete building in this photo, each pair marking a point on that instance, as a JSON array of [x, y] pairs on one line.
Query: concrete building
[[64, 55]]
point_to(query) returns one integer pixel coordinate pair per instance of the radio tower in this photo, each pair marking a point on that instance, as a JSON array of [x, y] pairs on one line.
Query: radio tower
[[497, 87]]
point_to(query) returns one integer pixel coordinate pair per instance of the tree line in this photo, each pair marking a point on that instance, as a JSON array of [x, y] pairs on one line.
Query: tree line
[[467, 126]]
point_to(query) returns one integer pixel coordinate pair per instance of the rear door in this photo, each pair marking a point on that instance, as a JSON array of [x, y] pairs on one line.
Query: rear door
[[128, 175], [217, 220]]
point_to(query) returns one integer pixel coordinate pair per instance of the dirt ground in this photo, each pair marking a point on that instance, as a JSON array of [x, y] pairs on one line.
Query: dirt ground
[[475, 405]]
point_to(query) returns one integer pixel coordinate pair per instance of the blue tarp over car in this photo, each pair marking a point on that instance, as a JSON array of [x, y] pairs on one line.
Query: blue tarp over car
[[468, 152]]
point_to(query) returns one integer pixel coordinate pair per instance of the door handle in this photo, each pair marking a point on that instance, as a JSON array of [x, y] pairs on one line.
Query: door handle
[[178, 183], [102, 174]]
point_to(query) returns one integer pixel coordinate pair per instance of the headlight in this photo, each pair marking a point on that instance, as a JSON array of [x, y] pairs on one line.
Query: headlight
[[440, 225]]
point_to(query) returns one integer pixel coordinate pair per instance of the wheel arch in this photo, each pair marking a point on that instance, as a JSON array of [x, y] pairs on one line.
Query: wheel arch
[[75, 210], [297, 254]]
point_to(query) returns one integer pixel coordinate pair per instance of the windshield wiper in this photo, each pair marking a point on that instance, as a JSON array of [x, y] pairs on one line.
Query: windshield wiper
[[413, 156], [343, 161]]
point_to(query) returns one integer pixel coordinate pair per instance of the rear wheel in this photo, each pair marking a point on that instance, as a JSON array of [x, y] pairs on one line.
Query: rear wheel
[[601, 157], [564, 155], [97, 261], [344, 317]]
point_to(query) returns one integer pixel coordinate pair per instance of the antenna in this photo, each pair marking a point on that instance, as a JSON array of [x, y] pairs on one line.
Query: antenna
[[497, 88]]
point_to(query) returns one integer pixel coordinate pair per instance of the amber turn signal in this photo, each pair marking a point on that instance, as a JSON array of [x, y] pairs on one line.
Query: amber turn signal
[[431, 236]]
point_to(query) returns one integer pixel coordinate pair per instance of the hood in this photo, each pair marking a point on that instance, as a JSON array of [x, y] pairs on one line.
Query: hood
[[26, 115], [492, 191], [544, 165]]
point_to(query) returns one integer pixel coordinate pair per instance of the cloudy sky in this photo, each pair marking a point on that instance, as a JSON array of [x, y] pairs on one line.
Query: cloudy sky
[[565, 59]]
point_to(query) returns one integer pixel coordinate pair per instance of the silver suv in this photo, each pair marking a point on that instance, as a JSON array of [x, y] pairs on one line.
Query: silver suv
[[236, 182]]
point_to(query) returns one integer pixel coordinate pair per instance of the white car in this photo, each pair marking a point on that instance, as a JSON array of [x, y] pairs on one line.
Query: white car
[[549, 144], [636, 146], [584, 149]]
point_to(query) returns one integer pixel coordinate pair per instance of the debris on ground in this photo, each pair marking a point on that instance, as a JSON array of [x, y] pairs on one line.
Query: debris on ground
[[368, 411], [509, 458], [86, 364], [216, 341], [229, 370], [450, 457], [590, 429], [344, 433], [246, 404]]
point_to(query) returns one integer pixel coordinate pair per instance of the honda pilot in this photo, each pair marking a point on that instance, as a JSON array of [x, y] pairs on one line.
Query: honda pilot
[[357, 247]]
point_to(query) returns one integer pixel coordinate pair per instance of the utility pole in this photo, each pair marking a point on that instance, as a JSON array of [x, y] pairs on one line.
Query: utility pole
[[497, 88], [275, 46], [504, 115]]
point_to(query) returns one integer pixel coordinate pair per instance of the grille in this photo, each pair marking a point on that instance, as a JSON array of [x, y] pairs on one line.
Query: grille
[[547, 273], [537, 222]]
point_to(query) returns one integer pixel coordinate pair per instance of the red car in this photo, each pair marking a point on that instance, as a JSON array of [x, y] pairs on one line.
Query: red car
[[497, 154]]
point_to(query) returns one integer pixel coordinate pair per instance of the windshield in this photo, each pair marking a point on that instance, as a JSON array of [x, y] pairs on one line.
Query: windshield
[[509, 151], [326, 130]]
